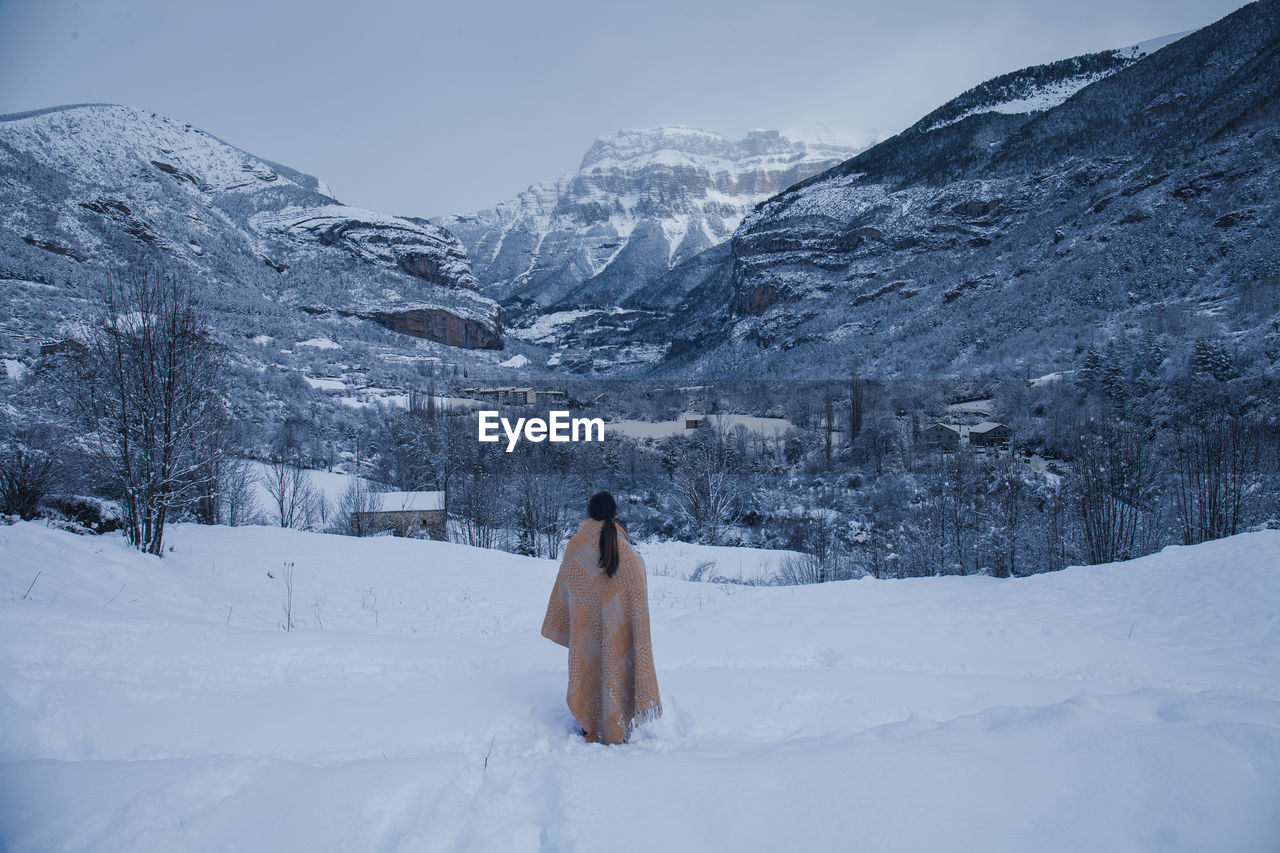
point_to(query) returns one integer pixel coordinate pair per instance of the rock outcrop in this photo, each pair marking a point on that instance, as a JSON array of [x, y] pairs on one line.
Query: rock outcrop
[[444, 326]]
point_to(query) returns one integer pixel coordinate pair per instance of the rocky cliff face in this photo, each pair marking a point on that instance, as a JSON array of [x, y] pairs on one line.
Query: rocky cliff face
[[1100, 192], [641, 203], [437, 325], [95, 189]]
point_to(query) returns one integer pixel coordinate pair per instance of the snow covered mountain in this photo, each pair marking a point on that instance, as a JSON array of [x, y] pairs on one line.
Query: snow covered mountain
[[642, 202], [157, 704], [1095, 195], [87, 190]]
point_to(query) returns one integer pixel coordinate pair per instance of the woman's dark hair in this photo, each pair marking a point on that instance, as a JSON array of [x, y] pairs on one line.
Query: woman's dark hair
[[602, 507]]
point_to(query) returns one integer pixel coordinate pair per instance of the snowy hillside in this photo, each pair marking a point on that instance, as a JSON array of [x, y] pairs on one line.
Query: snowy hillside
[[1037, 89], [1037, 209], [88, 190], [157, 705]]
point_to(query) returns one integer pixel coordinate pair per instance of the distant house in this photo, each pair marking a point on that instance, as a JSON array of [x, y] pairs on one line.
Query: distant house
[[989, 434], [692, 421], [946, 436], [50, 346], [528, 396], [416, 514]]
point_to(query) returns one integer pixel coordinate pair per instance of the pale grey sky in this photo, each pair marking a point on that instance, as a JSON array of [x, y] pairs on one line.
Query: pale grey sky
[[427, 108]]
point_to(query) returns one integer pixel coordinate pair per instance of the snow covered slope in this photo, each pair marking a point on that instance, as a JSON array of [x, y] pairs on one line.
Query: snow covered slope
[[1055, 202], [89, 190], [1043, 87], [156, 704], [641, 202]]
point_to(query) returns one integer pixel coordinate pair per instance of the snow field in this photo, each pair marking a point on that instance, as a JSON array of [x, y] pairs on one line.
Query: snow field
[[156, 704], [682, 560]]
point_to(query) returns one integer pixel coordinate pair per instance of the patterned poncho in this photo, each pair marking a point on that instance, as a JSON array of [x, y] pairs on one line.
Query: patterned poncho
[[604, 622]]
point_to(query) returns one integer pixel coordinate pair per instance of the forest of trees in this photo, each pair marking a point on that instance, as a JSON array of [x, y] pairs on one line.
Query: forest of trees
[[1138, 449]]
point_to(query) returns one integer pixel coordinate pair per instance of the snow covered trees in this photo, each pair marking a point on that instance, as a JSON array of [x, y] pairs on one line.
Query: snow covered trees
[[1211, 358], [26, 475], [146, 389], [706, 486]]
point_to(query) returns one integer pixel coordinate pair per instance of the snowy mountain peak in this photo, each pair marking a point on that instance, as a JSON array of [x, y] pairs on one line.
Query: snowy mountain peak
[[629, 144], [643, 201], [685, 144]]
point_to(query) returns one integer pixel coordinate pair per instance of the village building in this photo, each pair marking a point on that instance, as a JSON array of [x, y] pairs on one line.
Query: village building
[[945, 436], [510, 395], [989, 434], [693, 421], [416, 514], [49, 346]]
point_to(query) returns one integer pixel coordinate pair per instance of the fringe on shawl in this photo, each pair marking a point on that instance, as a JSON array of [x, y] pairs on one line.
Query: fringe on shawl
[[648, 715]]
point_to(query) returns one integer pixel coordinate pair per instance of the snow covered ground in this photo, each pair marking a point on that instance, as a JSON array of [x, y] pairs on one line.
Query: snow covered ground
[[156, 704], [14, 369], [771, 427], [684, 560]]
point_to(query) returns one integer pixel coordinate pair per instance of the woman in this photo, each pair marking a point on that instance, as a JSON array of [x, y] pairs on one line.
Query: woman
[[599, 609]]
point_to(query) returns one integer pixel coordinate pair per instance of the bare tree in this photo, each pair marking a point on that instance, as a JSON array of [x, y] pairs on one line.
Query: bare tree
[[27, 474], [240, 504], [1006, 511], [823, 556], [350, 515], [540, 501], [855, 403], [291, 492], [799, 570], [706, 489], [478, 509], [1214, 462], [146, 388], [1114, 485], [828, 421], [215, 470]]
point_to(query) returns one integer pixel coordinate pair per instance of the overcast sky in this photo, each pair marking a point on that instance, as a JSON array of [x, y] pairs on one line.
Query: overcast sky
[[428, 108]]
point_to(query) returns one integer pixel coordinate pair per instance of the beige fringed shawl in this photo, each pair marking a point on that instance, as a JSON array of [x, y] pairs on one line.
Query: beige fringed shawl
[[605, 624]]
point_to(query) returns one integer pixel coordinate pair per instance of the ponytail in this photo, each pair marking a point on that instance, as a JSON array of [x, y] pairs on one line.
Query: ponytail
[[609, 547], [602, 507]]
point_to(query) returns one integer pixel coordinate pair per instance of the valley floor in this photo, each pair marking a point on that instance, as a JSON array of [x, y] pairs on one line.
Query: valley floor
[[157, 705]]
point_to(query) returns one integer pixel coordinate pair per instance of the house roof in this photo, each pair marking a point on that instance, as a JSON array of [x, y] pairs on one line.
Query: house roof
[[985, 426], [951, 427], [408, 501]]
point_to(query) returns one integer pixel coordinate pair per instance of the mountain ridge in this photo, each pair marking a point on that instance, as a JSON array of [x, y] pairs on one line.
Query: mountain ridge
[[984, 237], [94, 188]]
